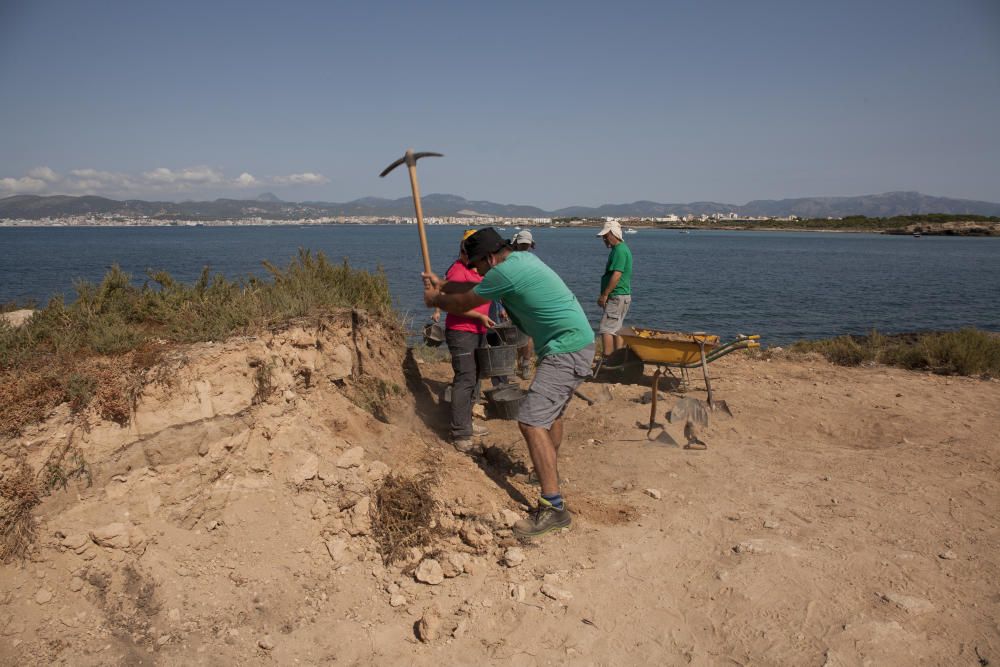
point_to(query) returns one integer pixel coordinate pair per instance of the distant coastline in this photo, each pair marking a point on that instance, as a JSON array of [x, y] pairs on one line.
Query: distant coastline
[[950, 227]]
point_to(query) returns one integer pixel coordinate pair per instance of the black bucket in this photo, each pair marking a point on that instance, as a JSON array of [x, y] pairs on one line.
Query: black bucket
[[496, 361], [506, 334], [505, 401]]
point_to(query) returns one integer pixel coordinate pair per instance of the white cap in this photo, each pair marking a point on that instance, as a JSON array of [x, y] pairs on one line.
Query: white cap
[[523, 236], [611, 226]]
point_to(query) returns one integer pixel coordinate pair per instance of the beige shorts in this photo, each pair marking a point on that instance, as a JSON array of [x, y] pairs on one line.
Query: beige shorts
[[615, 311]]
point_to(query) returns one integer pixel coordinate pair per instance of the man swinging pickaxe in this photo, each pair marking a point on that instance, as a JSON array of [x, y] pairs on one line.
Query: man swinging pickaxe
[[410, 158]]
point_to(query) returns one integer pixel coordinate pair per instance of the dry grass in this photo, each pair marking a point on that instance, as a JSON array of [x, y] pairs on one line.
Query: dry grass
[[94, 350], [402, 515], [19, 494], [966, 352]]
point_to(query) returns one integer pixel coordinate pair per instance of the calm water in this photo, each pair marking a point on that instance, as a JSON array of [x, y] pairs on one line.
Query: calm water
[[784, 286]]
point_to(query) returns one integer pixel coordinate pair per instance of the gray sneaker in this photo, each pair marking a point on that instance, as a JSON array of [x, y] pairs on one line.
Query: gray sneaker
[[544, 519]]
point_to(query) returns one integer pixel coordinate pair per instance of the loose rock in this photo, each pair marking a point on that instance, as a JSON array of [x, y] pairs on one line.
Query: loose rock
[[429, 572], [908, 603], [43, 596], [654, 494], [771, 524], [266, 642], [513, 557], [75, 584], [429, 627], [352, 458], [948, 555], [397, 600], [551, 591]]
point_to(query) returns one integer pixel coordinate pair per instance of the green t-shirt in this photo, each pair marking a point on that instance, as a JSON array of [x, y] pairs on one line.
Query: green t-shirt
[[619, 259], [539, 303]]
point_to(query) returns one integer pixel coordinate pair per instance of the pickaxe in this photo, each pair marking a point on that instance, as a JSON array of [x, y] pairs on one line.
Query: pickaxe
[[410, 158]]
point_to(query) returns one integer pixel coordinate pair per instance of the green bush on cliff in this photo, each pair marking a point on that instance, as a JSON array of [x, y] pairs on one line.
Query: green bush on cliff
[[45, 360], [965, 352]]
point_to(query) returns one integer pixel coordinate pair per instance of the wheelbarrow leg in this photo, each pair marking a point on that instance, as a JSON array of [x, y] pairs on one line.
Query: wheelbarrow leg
[[652, 407]]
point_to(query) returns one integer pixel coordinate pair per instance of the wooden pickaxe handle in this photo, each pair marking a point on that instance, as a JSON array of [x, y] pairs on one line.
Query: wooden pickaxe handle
[[410, 160], [420, 216]]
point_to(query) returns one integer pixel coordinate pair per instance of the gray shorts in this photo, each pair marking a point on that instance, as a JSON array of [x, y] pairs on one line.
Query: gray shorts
[[615, 311], [556, 377]]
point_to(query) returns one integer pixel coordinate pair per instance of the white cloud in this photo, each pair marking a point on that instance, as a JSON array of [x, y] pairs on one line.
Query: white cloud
[[25, 185], [307, 178], [158, 181], [246, 180], [44, 174]]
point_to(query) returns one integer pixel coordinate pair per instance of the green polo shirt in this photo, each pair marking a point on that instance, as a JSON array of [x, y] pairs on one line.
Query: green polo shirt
[[539, 303], [619, 259]]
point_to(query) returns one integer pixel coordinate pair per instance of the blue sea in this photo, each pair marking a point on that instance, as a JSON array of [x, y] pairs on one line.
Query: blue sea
[[783, 285]]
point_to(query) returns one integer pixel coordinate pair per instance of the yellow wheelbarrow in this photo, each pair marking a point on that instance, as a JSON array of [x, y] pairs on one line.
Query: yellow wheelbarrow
[[675, 349]]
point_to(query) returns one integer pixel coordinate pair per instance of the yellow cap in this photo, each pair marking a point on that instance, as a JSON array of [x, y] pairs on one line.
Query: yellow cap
[[468, 233]]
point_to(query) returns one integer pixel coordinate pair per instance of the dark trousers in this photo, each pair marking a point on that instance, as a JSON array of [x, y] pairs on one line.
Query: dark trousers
[[462, 345]]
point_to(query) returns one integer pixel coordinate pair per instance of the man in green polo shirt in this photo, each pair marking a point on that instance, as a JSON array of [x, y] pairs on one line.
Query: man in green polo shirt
[[540, 304], [616, 287]]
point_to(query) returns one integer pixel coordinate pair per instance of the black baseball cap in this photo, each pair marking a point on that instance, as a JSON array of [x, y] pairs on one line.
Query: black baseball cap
[[483, 243]]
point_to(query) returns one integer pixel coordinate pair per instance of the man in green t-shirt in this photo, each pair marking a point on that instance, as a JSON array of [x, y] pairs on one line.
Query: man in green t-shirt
[[540, 304], [616, 287]]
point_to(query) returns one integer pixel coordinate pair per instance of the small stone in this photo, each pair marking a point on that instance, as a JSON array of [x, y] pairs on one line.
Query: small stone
[[319, 509], [551, 591], [513, 557], [460, 629], [352, 458], [397, 600], [43, 596], [771, 524], [517, 593], [203, 449], [338, 550], [305, 466], [162, 640], [454, 564], [948, 555], [75, 584], [654, 494], [266, 642], [619, 486], [747, 548], [76, 541], [289, 395], [113, 535], [509, 517], [429, 626], [908, 603], [377, 470], [429, 572]]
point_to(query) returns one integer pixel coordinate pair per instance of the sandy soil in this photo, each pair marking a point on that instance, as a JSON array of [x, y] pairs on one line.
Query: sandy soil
[[840, 517]]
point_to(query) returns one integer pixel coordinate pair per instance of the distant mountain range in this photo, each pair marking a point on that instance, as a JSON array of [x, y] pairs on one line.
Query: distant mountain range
[[267, 205]]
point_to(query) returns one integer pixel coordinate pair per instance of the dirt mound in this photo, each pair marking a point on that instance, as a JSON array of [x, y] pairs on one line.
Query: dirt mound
[[289, 498]]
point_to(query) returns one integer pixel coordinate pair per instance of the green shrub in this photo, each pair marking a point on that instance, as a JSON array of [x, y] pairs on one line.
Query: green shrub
[[40, 361], [966, 352]]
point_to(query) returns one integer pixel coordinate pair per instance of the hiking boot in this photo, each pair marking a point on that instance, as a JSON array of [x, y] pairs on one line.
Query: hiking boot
[[466, 446], [544, 519]]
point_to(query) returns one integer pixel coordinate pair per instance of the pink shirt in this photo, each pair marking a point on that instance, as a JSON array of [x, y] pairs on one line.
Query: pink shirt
[[460, 273]]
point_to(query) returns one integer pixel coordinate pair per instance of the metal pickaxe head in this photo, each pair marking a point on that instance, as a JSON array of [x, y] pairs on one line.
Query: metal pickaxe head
[[410, 159]]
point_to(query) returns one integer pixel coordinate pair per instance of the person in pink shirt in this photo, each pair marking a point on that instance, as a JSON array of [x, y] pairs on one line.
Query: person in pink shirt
[[464, 333]]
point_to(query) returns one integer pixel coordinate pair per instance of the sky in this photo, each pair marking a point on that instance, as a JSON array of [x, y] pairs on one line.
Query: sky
[[549, 104]]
